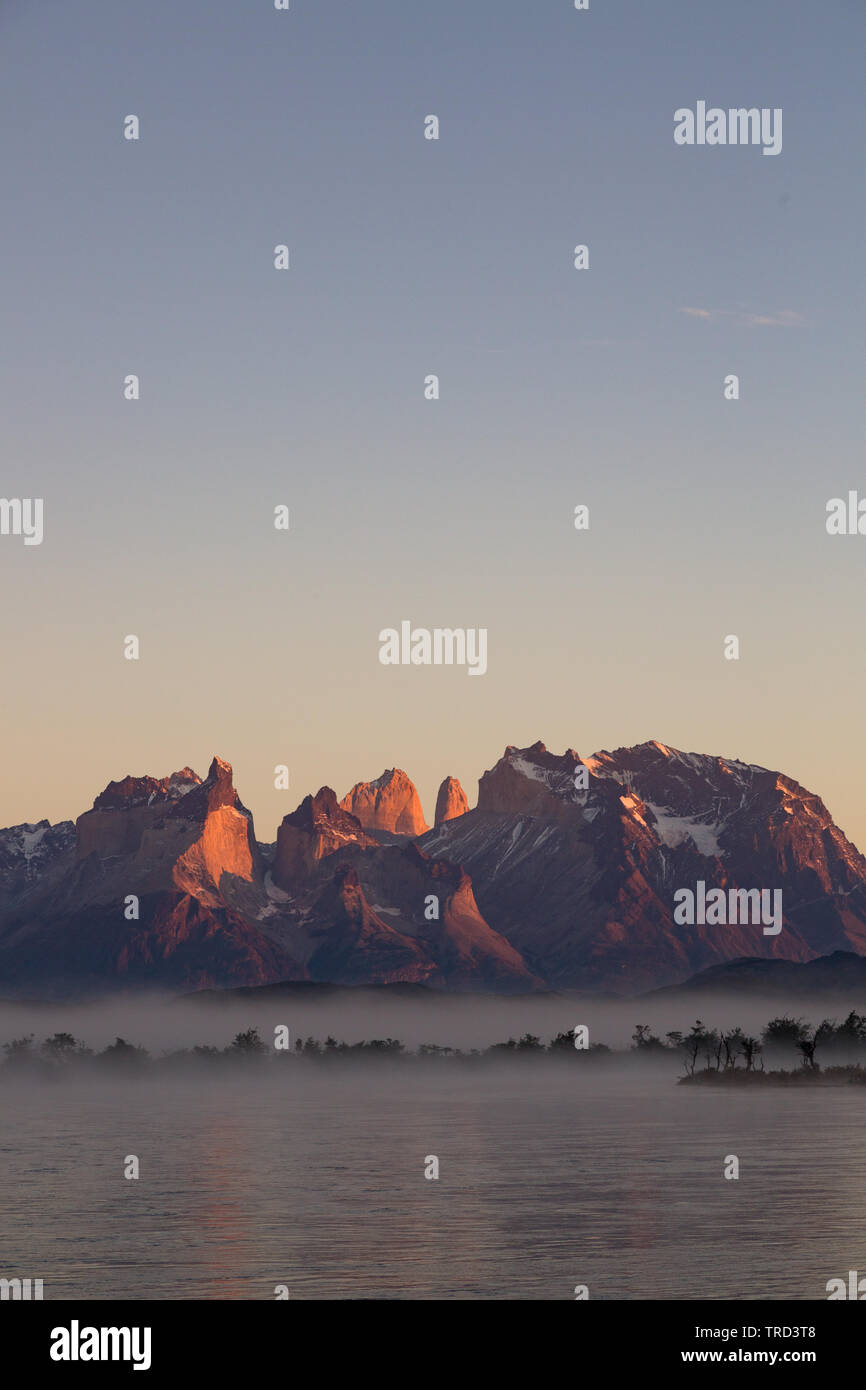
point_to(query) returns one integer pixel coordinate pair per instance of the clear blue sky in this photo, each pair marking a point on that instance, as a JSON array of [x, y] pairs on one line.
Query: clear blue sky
[[558, 387]]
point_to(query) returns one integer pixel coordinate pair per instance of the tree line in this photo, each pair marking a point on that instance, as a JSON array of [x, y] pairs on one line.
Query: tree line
[[701, 1049]]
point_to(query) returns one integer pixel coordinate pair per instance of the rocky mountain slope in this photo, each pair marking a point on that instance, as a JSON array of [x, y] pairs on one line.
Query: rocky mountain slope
[[158, 884], [576, 861], [563, 876]]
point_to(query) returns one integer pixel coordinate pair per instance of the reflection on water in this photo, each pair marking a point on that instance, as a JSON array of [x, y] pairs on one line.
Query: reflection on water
[[315, 1179]]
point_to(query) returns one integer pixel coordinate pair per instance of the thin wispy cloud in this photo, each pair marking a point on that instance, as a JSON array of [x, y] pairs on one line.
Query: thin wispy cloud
[[786, 318], [782, 318]]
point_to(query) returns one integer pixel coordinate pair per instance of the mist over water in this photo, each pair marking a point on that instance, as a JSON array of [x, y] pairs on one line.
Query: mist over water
[[311, 1175], [163, 1022], [315, 1179]]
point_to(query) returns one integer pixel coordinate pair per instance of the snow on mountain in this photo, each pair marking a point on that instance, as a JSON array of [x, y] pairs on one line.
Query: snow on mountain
[[563, 876]]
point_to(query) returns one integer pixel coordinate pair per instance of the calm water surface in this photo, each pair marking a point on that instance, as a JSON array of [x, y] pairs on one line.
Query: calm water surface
[[316, 1181]]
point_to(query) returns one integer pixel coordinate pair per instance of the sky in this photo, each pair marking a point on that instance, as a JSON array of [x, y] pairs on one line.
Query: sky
[[305, 387]]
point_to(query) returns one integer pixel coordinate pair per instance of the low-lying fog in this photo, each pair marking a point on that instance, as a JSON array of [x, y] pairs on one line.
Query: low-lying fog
[[163, 1023]]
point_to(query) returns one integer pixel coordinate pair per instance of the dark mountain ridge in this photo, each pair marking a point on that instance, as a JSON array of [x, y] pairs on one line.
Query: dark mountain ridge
[[563, 877]]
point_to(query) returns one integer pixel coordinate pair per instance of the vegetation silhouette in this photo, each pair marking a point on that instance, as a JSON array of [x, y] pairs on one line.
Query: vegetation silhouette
[[831, 1053]]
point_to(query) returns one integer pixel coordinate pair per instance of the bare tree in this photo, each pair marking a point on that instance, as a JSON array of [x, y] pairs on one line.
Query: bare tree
[[807, 1046], [750, 1048]]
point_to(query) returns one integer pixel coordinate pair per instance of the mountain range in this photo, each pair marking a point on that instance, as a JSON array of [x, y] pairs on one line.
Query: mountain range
[[561, 877]]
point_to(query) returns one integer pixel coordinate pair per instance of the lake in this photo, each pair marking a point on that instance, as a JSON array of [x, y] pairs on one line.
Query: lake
[[314, 1178]]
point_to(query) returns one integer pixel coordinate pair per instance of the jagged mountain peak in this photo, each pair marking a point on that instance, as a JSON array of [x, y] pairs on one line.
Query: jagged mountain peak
[[390, 775], [450, 801], [317, 828], [529, 779], [320, 809], [27, 852], [564, 873], [388, 805], [217, 789], [146, 791]]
